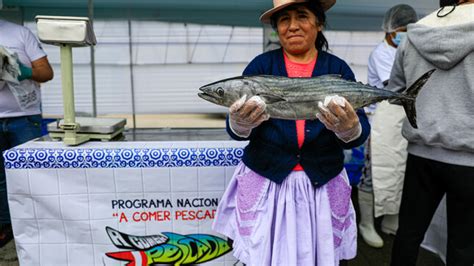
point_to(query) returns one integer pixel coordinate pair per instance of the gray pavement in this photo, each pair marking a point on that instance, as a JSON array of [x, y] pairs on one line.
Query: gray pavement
[[368, 256], [8, 255]]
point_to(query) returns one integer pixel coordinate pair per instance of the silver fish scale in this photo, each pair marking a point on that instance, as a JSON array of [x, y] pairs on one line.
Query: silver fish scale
[[297, 98], [301, 95]]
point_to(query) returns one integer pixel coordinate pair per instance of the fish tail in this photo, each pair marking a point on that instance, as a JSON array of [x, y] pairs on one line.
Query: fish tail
[[410, 101]]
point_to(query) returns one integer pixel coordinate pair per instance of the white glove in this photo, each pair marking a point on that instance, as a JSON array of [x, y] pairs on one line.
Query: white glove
[[246, 115], [337, 114]]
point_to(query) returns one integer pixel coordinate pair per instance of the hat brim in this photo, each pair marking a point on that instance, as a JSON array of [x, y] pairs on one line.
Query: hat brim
[[265, 17]]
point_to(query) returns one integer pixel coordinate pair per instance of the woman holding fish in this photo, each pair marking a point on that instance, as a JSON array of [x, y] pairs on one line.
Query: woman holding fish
[[289, 201]]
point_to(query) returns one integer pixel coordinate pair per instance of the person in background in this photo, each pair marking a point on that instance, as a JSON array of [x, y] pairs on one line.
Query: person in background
[[441, 150], [381, 185], [20, 118], [289, 201]]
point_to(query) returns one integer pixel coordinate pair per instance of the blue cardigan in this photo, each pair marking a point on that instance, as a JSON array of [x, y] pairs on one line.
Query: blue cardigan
[[273, 148]]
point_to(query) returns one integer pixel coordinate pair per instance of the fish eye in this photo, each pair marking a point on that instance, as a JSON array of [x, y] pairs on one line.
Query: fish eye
[[220, 91]]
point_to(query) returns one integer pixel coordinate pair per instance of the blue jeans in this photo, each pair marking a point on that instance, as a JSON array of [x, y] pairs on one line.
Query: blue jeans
[[13, 132]]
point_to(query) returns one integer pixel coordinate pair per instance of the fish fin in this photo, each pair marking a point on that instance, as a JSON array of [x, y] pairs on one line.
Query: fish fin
[[412, 92], [331, 76], [410, 110], [270, 99]]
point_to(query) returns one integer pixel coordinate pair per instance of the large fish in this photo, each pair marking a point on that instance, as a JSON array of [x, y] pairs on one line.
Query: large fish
[[297, 98]]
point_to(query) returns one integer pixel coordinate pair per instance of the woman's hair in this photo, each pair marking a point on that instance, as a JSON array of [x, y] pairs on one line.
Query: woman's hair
[[316, 8]]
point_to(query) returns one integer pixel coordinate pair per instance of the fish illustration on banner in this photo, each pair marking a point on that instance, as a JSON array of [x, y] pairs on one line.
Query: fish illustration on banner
[[166, 248]]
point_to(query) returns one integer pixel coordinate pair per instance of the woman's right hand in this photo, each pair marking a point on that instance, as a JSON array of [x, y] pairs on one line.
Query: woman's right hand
[[246, 115], [338, 115]]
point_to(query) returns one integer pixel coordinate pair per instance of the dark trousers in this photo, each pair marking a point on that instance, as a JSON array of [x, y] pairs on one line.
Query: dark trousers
[[426, 182], [14, 131]]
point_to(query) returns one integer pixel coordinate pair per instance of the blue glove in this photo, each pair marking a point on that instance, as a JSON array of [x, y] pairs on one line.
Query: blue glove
[[25, 72]]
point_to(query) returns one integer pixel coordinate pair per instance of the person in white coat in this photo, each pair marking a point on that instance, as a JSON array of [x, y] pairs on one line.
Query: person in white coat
[[381, 185]]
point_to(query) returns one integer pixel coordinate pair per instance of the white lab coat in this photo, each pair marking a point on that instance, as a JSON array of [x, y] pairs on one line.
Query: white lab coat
[[388, 147]]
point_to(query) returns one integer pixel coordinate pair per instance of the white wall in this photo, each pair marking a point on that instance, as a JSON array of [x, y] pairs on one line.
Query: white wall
[[170, 62], [354, 48]]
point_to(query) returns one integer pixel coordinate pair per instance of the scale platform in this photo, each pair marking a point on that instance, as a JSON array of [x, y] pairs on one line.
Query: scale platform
[[104, 129]]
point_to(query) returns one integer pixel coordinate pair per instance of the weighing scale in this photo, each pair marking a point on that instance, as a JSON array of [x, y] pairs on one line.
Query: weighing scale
[[68, 32]]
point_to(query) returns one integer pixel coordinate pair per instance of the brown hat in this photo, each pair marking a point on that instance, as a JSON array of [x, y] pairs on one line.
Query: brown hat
[[280, 4]]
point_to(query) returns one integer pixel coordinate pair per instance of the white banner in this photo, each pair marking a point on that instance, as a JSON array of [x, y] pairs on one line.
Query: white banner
[[119, 203], [128, 203]]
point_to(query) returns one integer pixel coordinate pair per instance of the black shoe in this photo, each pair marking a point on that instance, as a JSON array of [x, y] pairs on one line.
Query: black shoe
[[6, 234]]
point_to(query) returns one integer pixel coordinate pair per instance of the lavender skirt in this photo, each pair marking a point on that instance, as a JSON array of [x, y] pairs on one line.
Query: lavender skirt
[[291, 223]]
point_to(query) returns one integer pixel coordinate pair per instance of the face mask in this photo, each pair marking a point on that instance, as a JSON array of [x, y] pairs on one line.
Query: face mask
[[399, 36]]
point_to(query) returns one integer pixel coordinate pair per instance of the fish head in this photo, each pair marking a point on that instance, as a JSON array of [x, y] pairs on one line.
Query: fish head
[[225, 92]]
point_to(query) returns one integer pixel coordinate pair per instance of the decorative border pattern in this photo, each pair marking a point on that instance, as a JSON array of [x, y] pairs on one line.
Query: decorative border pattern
[[121, 158]]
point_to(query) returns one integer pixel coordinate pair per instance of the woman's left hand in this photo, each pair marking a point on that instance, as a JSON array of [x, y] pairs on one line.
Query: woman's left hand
[[338, 115]]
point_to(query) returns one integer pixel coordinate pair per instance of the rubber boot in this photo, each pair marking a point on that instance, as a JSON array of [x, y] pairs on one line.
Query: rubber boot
[[390, 224], [366, 224]]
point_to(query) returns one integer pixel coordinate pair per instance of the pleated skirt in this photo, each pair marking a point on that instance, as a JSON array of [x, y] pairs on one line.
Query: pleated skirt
[[288, 224]]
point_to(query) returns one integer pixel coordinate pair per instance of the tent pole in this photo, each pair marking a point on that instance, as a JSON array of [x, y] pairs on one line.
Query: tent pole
[[90, 8], [132, 85]]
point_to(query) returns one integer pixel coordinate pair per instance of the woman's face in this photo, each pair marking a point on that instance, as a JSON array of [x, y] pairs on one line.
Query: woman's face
[[297, 29]]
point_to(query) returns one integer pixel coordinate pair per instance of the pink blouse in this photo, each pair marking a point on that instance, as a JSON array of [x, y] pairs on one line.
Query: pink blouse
[[299, 70]]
